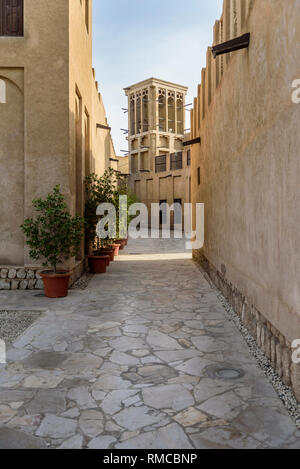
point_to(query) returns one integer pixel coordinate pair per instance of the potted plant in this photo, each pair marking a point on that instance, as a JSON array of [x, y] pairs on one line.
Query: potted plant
[[121, 243], [123, 189], [116, 247], [98, 263], [104, 189], [98, 190], [54, 236]]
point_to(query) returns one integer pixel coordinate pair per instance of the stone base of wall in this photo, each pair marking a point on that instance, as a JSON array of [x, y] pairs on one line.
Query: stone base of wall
[[79, 270], [25, 278], [275, 346]]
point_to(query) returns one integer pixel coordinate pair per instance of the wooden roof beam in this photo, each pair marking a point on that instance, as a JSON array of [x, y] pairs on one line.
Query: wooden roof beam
[[238, 43]]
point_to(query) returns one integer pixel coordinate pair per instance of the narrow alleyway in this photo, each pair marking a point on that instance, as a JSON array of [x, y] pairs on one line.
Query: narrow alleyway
[[143, 358]]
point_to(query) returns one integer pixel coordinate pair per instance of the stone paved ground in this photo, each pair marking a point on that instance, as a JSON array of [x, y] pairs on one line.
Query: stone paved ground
[[143, 358]]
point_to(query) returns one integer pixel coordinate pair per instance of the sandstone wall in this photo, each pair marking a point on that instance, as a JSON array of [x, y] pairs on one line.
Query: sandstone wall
[[48, 122], [250, 169]]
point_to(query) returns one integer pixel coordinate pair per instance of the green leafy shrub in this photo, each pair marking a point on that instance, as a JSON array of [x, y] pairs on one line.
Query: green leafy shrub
[[54, 235], [98, 190], [104, 189], [123, 189]]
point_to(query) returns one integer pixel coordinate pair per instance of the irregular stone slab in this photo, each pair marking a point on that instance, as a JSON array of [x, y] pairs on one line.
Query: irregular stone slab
[[60, 347], [71, 413], [168, 329], [77, 346], [225, 406], [123, 359], [92, 427], [112, 403], [16, 405], [190, 417], [195, 366], [6, 413], [82, 397], [102, 352], [141, 353], [56, 427], [185, 343], [102, 442], [109, 382], [265, 424], [151, 374], [135, 328], [224, 438], [114, 332], [45, 360], [213, 423], [46, 382], [14, 354], [214, 323], [47, 402], [15, 396], [169, 437], [81, 362], [208, 344], [131, 400], [124, 344], [25, 421], [174, 396], [208, 388], [176, 355], [158, 340], [150, 360], [15, 439], [92, 415], [102, 327], [113, 368], [128, 435], [112, 427], [75, 442], [9, 379], [184, 379], [98, 395], [134, 418]]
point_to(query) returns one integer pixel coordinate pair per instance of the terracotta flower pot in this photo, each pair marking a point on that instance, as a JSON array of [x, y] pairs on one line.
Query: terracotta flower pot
[[56, 285], [98, 264], [116, 248], [102, 253], [121, 242], [107, 252]]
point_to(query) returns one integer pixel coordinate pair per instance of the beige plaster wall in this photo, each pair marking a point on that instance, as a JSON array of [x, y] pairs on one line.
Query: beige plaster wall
[[123, 164], [167, 185], [82, 83], [43, 55], [102, 143], [52, 68], [250, 166], [12, 165]]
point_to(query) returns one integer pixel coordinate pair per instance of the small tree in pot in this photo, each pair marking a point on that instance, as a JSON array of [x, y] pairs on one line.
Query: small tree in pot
[[98, 189], [54, 236], [122, 226]]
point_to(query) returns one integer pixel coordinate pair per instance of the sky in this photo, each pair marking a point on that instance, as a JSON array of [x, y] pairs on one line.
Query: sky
[[137, 39]]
